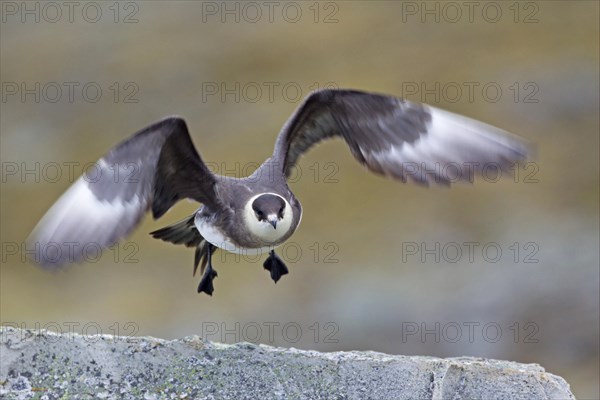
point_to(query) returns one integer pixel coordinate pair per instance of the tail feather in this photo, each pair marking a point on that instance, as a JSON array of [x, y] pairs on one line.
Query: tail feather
[[182, 232], [185, 232]]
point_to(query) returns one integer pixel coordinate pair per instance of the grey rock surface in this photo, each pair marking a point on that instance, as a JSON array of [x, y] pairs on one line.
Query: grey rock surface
[[46, 365]]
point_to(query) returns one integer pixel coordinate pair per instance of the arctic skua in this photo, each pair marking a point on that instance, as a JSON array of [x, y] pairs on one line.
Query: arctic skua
[[158, 166]]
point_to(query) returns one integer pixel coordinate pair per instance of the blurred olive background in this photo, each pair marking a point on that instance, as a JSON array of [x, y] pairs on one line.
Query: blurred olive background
[[360, 290]]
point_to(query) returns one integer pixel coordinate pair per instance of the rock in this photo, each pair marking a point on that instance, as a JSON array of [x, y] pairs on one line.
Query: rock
[[46, 365]]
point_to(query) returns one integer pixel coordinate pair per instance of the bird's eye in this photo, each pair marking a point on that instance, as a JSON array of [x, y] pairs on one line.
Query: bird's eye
[[281, 211], [260, 213]]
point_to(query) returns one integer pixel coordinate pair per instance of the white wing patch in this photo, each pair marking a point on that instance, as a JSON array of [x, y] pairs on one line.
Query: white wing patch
[[454, 148], [79, 225]]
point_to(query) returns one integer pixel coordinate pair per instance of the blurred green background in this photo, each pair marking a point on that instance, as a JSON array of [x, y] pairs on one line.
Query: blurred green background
[[354, 285]]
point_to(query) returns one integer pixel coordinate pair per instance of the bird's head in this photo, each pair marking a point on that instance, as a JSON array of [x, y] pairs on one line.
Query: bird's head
[[269, 217], [269, 209]]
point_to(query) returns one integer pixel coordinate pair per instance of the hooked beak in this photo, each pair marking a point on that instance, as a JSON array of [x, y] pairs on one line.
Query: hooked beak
[[272, 219]]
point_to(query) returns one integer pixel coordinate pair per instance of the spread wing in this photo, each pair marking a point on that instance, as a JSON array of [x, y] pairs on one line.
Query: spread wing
[[398, 138], [153, 169]]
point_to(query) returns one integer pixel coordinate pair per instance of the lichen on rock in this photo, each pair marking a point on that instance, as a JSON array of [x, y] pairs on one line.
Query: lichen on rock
[[46, 365]]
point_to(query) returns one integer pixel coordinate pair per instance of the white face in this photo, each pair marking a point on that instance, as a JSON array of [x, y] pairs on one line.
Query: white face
[[264, 229]]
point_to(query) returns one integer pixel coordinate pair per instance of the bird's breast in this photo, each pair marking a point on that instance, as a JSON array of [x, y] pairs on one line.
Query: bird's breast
[[238, 238]]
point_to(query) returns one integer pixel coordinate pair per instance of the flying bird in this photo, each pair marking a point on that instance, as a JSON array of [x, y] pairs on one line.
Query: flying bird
[[158, 166]]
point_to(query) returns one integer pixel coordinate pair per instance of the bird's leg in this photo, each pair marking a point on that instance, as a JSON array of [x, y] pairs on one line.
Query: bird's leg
[[206, 282], [275, 265]]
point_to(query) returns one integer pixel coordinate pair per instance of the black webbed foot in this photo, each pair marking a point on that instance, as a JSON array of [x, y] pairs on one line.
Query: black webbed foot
[[206, 282], [276, 266]]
